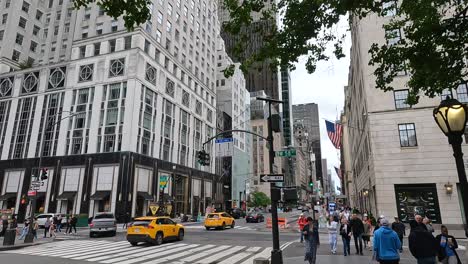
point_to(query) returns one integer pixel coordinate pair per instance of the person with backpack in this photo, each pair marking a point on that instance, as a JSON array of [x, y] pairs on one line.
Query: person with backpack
[[447, 253]]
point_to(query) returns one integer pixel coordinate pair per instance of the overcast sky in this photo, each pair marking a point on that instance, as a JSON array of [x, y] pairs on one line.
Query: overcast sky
[[325, 87]]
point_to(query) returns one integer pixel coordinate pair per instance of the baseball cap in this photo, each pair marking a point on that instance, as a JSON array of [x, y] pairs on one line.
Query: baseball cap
[[384, 222]]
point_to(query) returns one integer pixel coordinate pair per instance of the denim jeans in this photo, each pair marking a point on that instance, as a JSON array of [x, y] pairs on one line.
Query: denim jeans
[[346, 246], [427, 260], [333, 242], [24, 232], [358, 238]]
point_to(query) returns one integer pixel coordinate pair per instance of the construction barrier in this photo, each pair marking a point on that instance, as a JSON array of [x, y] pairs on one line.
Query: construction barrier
[[282, 223]]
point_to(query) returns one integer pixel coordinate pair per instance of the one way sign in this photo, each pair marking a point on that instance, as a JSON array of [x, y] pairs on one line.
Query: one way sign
[[271, 177]]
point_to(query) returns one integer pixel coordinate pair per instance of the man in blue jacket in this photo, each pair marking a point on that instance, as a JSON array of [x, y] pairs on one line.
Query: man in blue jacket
[[386, 244]]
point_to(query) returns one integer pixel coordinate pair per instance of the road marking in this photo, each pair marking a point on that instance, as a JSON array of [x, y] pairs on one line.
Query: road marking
[[53, 246], [220, 255], [264, 254], [188, 252], [237, 257], [49, 251], [145, 253], [76, 253], [100, 252], [167, 252], [129, 252], [253, 249], [203, 254]]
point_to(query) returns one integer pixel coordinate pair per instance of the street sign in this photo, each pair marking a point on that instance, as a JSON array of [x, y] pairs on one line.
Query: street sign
[[163, 181], [32, 193], [271, 177], [286, 153], [154, 209], [224, 147]]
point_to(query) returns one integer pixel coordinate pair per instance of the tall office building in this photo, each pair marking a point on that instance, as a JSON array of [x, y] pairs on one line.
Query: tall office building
[[398, 160], [308, 115], [109, 113]]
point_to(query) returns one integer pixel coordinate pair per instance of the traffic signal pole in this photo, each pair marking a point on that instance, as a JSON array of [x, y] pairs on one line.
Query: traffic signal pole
[[276, 253]]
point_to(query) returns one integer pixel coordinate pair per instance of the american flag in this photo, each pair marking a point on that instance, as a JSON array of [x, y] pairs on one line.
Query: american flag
[[334, 131], [338, 172]]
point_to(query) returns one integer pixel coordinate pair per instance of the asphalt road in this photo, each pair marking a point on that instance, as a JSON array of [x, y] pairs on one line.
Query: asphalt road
[[231, 246]]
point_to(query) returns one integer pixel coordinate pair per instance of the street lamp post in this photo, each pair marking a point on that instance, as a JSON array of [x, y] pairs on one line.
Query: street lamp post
[[451, 117]]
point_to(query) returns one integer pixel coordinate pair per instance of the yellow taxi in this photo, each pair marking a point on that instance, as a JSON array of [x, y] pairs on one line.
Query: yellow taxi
[[219, 220], [154, 230]]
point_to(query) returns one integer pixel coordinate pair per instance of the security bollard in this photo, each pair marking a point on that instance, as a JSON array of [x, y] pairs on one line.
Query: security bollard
[[261, 261], [10, 236]]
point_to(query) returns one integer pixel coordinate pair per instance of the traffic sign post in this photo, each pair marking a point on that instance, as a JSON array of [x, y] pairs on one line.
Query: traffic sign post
[[271, 177], [163, 181], [286, 153]]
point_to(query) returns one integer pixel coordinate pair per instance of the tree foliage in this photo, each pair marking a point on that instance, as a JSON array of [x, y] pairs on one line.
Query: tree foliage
[[259, 199], [432, 50]]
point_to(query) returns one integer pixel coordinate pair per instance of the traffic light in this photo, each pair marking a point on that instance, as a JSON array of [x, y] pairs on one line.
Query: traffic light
[[23, 200], [203, 158], [311, 184], [44, 174]]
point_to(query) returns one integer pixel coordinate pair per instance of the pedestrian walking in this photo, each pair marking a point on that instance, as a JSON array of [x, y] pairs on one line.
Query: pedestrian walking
[[301, 222], [422, 244], [47, 226], [428, 223], [24, 231], [52, 230], [126, 219], [357, 228], [67, 220], [400, 229], [367, 231], [73, 221], [345, 232], [35, 228], [386, 244], [4, 225], [448, 244], [59, 223], [312, 242], [332, 227]]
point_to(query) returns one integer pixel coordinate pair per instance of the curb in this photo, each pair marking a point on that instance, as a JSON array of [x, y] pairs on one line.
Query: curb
[[24, 245]]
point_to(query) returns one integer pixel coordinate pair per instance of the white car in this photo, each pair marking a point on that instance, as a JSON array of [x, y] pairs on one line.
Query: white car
[[41, 219]]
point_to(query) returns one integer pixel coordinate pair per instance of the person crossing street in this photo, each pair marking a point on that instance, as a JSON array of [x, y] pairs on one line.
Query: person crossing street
[[301, 222]]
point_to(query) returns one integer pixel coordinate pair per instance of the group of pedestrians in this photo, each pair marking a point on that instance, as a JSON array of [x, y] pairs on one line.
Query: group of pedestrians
[[387, 243]]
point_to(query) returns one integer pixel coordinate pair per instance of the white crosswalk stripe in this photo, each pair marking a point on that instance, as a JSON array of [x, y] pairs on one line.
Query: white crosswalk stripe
[[110, 252]]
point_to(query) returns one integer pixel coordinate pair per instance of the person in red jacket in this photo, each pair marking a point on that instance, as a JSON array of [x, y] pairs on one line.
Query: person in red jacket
[[301, 222]]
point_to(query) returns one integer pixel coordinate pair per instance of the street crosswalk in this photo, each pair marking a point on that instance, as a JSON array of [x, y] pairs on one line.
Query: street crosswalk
[[109, 252], [236, 227]]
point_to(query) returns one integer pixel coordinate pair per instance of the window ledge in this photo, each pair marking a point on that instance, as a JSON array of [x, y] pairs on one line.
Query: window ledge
[[413, 147]]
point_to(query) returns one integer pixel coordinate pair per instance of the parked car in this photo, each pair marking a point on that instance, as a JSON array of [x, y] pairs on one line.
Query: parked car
[[219, 220], [154, 230], [254, 217], [237, 213], [103, 223], [41, 219]]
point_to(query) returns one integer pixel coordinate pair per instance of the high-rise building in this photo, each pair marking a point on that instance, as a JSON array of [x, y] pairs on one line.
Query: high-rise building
[[109, 113], [233, 102], [395, 154], [308, 115]]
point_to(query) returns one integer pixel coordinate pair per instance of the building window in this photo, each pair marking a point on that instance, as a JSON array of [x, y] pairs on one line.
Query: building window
[[407, 135], [30, 82], [117, 67], [112, 45], [151, 74], [16, 55], [393, 36], [462, 93], [19, 39], [57, 78], [7, 3], [446, 93], [36, 30], [400, 99], [128, 42], [99, 29], [22, 22], [4, 19], [97, 48], [147, 46], [158, 36], [86, 73], [25, 7], [82, 52], [38, 15], [389, 8], [114, 26], [33, 46], [2, 32]]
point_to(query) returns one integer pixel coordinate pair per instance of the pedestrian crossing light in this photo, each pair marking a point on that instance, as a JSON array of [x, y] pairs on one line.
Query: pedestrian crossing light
[[44, 174], [23, 200]]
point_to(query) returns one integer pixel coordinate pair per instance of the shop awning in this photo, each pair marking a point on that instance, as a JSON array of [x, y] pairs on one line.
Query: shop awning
[[7, 196], [100, 195], [146, 196], [66, 196]]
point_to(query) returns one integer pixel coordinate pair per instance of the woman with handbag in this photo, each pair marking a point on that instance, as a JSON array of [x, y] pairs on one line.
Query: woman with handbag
[[311, 237], [448, 244]]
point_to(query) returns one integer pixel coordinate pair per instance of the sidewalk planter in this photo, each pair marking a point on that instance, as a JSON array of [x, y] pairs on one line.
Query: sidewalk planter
[[10, 236]]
